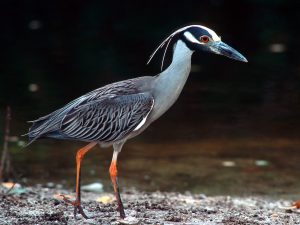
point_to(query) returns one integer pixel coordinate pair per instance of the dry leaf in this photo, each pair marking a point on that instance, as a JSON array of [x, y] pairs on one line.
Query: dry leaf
[[105, 199]]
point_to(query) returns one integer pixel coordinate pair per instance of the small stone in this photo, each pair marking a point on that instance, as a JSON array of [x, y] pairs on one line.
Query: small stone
[[228, 164], [200, 196], [261, 163], [93, 187], [50, 185], [289, 211]]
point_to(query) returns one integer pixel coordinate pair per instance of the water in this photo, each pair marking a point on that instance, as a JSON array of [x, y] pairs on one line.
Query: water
[[207, 142], [161, 160]]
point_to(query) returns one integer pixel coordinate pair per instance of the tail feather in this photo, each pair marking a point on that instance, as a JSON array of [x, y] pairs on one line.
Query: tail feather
[[36, 128], [49, 125], [41, 127]]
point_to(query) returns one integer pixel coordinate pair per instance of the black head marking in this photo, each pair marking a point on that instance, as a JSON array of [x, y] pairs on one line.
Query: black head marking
[[197, 31], [189, 35]]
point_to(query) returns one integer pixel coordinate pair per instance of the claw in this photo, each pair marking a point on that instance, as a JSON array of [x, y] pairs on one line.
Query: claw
[[77, 207], [67, 200]]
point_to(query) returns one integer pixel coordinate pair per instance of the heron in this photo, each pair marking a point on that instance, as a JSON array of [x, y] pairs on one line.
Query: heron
[[112, 114]]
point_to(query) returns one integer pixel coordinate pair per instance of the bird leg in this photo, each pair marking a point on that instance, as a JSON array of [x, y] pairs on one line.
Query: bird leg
[[114, 178], [79, 156]]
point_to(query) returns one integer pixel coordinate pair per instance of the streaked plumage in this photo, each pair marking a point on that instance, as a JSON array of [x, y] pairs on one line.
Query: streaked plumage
[[116, 112], [105, 115]]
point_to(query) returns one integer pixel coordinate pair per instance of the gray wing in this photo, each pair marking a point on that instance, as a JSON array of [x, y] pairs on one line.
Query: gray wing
[[51, 124], [108, 119]]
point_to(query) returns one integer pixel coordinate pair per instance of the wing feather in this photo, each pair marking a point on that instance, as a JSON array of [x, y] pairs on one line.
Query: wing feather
[[90, 115], [109, 119]]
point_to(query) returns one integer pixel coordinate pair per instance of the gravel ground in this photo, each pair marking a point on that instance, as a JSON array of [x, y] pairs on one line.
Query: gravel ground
[[37, 205]]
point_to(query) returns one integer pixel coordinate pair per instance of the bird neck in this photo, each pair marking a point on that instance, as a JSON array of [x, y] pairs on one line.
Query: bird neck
[[169, 83]]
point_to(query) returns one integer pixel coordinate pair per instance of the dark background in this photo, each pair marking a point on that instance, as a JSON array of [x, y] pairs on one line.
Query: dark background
[[54, 51]]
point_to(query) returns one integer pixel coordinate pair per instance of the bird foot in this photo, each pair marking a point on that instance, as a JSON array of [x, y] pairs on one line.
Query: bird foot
[[77, 207], [122, 212], [297, 204]]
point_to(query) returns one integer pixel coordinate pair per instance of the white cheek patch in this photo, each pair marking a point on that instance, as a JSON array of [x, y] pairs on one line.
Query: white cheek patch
[[191, 38]]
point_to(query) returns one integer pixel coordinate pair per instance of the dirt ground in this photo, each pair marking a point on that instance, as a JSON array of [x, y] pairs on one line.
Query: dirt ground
[[38, 205]]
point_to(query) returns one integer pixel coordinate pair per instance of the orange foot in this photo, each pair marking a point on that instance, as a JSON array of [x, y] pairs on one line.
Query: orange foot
[[297, 204], [77, 207]]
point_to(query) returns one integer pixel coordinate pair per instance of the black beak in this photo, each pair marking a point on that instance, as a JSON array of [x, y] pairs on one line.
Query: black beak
[[221, 48]]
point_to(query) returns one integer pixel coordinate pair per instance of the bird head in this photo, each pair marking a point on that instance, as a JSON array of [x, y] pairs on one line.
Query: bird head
[[200, 38]]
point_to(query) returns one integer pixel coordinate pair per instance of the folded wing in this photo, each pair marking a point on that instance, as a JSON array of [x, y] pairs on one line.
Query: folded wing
[[104, 118], [108, 119]]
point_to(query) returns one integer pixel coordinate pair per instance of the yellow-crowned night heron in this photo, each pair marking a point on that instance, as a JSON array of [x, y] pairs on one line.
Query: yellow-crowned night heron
[[112, 114]]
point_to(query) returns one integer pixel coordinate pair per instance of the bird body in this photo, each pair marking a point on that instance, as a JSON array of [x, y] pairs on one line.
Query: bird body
[[112, 114], [88, 113]]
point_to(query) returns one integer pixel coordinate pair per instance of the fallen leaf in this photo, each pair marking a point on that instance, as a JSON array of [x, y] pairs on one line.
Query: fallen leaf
[[105, 199], [8, 184]]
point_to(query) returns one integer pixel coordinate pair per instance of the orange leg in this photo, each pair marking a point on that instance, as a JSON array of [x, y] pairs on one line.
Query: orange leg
[[79, 156], [114, 179]]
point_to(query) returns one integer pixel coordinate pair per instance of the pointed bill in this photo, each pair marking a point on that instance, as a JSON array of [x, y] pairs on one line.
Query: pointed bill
[[221, 48]]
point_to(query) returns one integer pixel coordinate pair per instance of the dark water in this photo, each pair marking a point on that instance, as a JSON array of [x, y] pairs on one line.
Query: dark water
[[199, 146], [162, 159], [207, 142]]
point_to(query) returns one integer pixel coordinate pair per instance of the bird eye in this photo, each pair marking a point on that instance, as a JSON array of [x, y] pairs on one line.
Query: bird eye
[[204, 39]]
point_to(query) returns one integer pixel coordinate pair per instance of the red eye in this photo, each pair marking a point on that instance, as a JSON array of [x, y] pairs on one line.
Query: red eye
[[204, 39]]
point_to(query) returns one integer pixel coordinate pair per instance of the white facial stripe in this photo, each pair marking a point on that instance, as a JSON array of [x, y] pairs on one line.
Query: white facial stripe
[[213, 34], [191, 37]]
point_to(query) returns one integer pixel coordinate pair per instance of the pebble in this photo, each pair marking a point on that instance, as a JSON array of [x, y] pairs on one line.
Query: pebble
[[93, 187]]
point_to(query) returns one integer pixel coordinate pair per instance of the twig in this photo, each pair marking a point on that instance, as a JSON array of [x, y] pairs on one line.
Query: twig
[[5, 164]]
